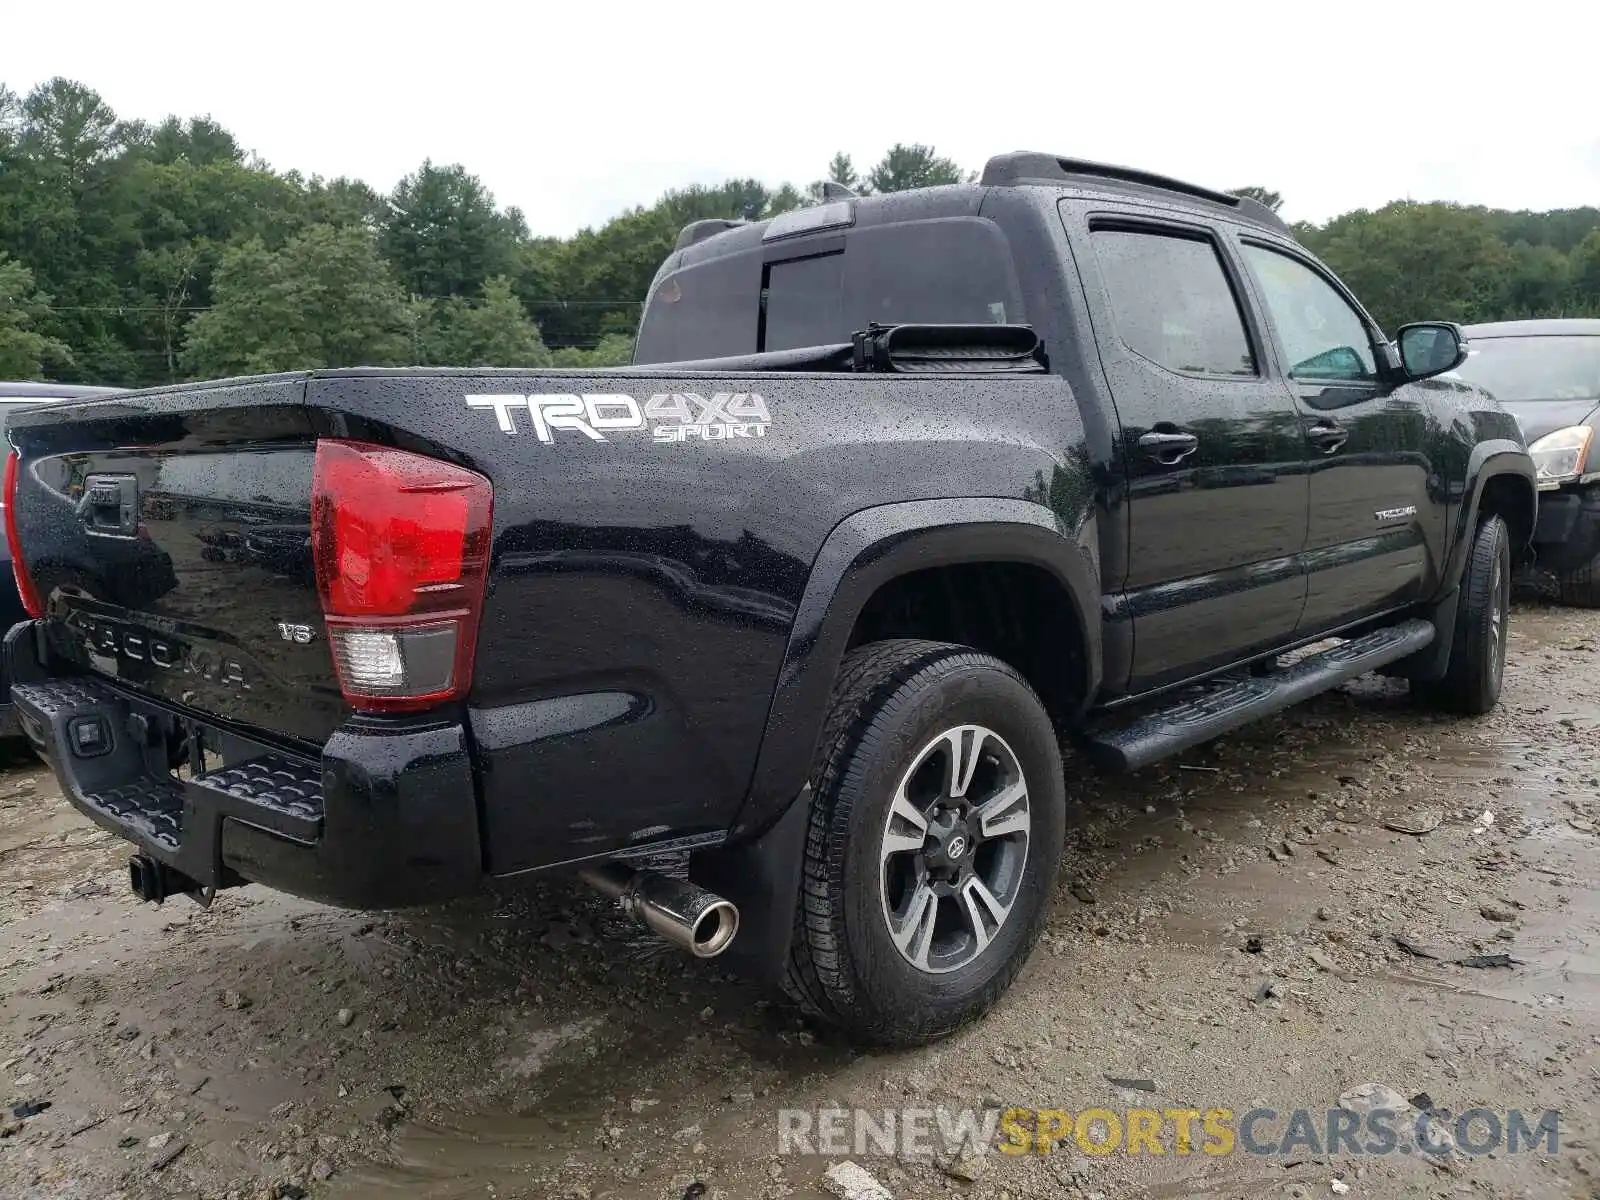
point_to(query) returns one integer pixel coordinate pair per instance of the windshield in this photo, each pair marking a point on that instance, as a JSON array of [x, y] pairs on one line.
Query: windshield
[[1535, 368]]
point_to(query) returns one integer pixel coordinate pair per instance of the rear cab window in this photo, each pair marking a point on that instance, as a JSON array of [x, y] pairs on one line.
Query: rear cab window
[[706, 310], [819, 290]]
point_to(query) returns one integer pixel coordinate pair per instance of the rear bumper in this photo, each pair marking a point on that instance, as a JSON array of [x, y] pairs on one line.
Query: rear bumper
[[1567, 537], [384, 819]]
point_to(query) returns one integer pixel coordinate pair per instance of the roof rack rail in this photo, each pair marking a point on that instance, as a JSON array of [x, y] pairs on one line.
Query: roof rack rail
[[1026, 166], [699, 231]]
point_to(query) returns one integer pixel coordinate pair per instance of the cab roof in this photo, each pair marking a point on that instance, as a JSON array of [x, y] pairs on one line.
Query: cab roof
[[702, 240]]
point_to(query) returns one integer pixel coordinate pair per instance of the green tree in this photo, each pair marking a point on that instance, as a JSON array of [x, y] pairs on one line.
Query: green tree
[[613, 350], [492, 332], [180, 215], [63, 172], [444, 236], [10, 117], [912, 166], [737, 198], [199, 140], [1265, 195], [1560, 228], [841, 170], [1416, 262], [1539, 282], [70, 125], [786, 199], [24, 351], [319, 201], [1585, 270], [326, 299]]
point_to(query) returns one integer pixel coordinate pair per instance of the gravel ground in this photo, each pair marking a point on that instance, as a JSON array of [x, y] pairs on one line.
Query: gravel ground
[[1224, 934]]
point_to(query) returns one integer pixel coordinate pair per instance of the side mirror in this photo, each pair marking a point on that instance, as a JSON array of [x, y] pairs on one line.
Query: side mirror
[[1430, 348]]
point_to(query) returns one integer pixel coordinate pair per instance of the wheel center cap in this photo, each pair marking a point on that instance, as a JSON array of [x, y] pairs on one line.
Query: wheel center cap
[[950, 843]]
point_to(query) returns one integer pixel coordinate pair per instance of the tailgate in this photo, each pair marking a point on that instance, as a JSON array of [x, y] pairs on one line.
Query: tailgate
[[169, 537]]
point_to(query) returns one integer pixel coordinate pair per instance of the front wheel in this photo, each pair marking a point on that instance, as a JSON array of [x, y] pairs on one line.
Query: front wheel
[[937, 823], [1471, 685]]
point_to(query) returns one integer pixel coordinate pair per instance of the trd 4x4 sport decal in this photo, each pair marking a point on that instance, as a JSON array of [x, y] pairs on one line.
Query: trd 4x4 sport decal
[[669, 416]]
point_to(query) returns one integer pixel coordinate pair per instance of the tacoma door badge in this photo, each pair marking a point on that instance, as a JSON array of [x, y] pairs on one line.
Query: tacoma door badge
[[1395, 514]]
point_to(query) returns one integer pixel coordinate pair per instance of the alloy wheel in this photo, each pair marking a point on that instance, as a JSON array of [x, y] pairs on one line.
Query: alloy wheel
[[955, 845]]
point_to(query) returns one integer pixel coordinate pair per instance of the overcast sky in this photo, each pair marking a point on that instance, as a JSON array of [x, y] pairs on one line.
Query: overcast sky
[[573, 111]]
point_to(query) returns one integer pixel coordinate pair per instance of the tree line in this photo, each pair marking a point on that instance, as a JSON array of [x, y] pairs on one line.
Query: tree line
[[135, 253]]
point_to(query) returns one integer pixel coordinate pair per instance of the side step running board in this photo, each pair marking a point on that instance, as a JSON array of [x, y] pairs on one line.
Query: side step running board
[[1225, 703]]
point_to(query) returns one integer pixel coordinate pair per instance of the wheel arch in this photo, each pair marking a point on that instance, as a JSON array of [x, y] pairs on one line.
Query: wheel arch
[[871, 550], [1500, 480]]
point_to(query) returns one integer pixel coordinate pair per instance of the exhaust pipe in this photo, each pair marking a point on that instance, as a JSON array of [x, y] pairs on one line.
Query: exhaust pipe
[[688, 916]]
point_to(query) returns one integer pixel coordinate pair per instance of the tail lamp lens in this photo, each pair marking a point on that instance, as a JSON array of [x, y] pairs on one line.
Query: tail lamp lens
[[25, 589], [401, 545]]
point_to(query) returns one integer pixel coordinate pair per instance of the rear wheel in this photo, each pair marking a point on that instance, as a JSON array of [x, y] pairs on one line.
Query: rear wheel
[[935, 834], [1472, 684]]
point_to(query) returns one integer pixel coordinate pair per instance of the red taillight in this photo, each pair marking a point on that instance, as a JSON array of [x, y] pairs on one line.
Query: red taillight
[[25, 588], [401, 545]]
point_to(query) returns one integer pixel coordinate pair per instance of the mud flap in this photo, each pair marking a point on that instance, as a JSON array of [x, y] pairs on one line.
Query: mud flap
[[761, 877], [1433, 662]]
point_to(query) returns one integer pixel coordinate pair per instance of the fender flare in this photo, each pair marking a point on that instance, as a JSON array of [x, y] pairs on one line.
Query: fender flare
[[860, 555], [1489, 459]]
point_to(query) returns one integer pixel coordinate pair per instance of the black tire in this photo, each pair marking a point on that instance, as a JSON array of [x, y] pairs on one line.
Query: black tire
[[891, 703], [1472, 684], [1581, 588]]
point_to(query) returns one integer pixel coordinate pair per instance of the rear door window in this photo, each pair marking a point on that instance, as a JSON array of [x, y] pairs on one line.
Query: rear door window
[[1172, 303]]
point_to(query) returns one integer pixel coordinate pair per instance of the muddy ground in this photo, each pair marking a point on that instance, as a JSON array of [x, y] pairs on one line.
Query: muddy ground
[[513, 1047]]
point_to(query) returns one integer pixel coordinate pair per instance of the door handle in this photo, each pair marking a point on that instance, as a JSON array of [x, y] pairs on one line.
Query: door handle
[[1327, 436], [1169, 449], [110, 505]]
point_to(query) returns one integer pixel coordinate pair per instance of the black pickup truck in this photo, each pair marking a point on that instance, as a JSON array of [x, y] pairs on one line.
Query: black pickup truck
[[778, 635]]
